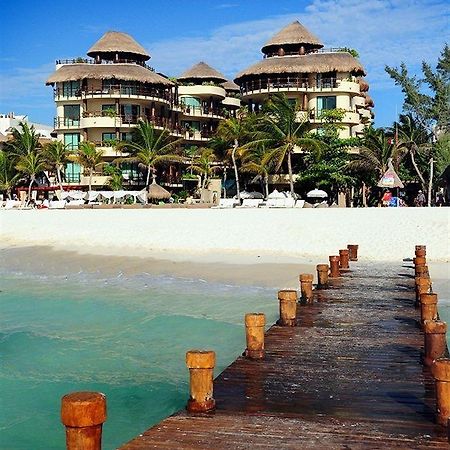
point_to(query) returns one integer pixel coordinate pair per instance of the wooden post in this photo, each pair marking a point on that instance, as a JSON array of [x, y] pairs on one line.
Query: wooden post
[[441, 373], [353, 252], [288, 308], [322, 274], [420, 261], [428, 307], [420, 251], [83, 414], [435, 340], [306, 289], [201, 372], [421, 247], [254, 333], [422, 271], [423, 287], [343, 259], [334, 267]]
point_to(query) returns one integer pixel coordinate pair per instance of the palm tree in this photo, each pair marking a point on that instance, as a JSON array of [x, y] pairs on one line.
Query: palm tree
[[89, 157], [57, 155], [282, 131], [236, 131], [203, 164], [151, 148], [260, 161], [378, 148], [24, 140], [30, 164], [8, 173]]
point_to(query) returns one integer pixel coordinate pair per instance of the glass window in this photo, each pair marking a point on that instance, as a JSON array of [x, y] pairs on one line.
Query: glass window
[[190, 125], [108, 137], [191, 101], [110, 107], [71, 88], [71, 114], [328, 102], [72, 140], [72, 172], [126, 136], [130, 113]]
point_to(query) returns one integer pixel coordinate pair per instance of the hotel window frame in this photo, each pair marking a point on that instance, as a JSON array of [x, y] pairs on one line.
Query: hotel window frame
[[71, 88], [71, 118], [324, 99], [71, 145]]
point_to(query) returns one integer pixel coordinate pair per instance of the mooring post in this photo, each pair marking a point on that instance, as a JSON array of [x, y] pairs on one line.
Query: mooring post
[[428, 307], [334, 266], [421, 251], [353, 252], [343, 259], [288, 308], [201, 373], [322, 274], [435, 340], [83, 414], [441, 373], [422, 271], [423, 286], [254, 334], [306, 287], [420, 261]]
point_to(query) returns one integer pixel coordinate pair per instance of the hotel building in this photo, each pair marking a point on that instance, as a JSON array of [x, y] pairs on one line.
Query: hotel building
[[102, 98], [317, 79]]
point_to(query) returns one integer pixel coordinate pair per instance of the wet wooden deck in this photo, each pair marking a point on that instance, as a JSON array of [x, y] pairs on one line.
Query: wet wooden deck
[[348, 377]]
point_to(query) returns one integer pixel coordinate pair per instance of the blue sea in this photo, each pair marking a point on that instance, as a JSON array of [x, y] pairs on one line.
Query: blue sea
[[125, 336]]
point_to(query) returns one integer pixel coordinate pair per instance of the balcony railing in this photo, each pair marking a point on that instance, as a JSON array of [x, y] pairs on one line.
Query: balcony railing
[[201, 110], [66, 122], [114, 91], [287, 83], [93, 61]]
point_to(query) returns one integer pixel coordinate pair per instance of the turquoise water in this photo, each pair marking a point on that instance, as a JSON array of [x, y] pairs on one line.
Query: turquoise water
[[126, 337]]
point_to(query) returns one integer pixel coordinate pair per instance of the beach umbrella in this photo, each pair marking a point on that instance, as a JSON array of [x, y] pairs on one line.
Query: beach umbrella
[[157, 192], [245, 194], [276, 194], [390, 179], [255, 194], [317, 193]]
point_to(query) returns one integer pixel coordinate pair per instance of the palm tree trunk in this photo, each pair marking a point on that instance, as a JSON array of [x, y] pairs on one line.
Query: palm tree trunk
[[148, 177], [29, 190], [291, 177], [430, 185], [224, 182], [266, 187], [233, 158], [58, 176], [422, 180], [90, 178]]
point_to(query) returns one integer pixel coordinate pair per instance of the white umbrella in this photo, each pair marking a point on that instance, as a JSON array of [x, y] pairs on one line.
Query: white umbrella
[[255, 194], [317, 193], [275, 194]]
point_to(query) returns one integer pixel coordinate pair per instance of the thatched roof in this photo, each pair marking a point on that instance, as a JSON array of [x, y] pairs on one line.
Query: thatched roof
[[293, 34], [231, 86], [114, 42], [363, 84], [126, 72], [157, 192], [310, 63], [202, 71], [369, 101]]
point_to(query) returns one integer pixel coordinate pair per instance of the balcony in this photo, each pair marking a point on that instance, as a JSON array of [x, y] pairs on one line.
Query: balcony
[[65, 123], [297, 84], [204, 90], [200, 111], [232, 101], [128, 92], [359, 102], [350, 117], [196, 135]]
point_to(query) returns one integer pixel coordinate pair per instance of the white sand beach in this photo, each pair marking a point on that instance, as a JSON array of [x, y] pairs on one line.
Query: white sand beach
[[235, 235]]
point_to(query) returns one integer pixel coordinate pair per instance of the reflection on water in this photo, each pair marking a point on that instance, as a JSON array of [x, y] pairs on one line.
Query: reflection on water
[[124, 336]]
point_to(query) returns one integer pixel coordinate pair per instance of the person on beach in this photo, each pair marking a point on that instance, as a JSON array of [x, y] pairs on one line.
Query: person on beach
[[386, 199], [420, 200]]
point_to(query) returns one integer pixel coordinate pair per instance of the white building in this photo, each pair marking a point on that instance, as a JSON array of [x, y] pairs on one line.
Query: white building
[[11, 120]]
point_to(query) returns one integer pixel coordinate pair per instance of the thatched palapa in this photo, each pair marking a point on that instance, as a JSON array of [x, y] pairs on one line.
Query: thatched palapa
[[293, 34], [113, 42], [157, 192], [231, 86], [125, 72], [363, 85], [202, 71], [309, 63], [369, 101]]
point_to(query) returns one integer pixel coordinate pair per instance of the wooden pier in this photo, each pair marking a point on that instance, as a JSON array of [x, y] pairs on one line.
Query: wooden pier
[[348, 376]]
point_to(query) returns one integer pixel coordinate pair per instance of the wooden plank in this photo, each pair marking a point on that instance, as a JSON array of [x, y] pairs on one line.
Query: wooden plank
[[349, 376]]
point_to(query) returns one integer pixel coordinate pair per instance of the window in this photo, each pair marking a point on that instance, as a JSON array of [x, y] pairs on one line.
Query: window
[[108, 138], [71, 88], [191, 101], [71, 114], [108, 109], [130, 113], [72, 172], [328, 102], [190, 125], [72, 140], [126, 137]]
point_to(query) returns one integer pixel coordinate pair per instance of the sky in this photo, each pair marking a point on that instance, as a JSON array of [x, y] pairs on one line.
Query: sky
[[226, 34]]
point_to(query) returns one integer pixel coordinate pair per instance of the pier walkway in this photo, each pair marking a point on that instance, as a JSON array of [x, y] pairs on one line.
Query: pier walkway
[[348, 376]]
